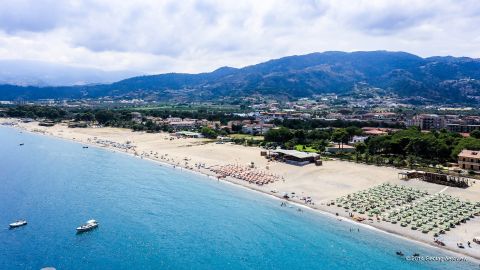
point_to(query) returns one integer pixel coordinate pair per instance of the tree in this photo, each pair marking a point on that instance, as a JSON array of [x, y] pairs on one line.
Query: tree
[[300, 136], [353, 131], [465, 143], [236, 128], [475, 134], [317, 134], [104, 116], [360, 148], [87, 116], [208, 133], [279, 135], [379, 145], [320, 145], [340, 136]]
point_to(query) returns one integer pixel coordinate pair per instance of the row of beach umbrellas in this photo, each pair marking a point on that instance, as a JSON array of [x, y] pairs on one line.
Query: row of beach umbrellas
[[437, 214], [379, 199]]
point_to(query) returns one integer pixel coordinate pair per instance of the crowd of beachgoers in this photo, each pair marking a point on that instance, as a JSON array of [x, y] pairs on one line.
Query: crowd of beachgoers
[[107, 143]]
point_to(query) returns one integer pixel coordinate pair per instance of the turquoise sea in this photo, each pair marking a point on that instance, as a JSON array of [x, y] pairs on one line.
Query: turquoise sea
[[156, 217]]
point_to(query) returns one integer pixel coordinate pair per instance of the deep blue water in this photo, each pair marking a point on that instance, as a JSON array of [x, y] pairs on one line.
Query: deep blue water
[[154, 217]]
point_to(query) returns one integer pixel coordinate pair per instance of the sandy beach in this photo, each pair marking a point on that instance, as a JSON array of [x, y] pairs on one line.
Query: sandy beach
[[320, 183]]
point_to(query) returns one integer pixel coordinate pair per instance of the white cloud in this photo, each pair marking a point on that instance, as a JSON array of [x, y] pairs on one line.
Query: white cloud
[[200, 35]]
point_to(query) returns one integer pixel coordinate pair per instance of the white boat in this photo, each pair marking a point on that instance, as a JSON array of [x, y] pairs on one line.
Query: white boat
[[18, 223], [89, 225]]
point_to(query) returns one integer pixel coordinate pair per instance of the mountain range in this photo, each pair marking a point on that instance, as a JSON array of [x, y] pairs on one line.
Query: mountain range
[[436, 79]]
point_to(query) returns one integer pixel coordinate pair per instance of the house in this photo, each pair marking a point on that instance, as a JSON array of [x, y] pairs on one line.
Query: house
[[469, 160]]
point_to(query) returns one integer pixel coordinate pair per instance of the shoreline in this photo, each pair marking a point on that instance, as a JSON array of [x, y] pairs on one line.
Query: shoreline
[[245, 185]]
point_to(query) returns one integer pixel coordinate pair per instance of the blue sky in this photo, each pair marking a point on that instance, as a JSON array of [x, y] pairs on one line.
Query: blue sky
[[200, 35]]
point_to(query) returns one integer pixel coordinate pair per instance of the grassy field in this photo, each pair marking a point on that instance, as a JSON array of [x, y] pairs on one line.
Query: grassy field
[[301, 147], [246, 136]]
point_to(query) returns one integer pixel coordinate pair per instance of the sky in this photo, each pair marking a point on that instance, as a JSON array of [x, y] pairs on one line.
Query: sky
[[148, 36]]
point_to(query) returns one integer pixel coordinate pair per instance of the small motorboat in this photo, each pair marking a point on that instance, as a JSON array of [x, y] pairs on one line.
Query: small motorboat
[[85, 147], [460, 245], [399, 253], [89, 225], [416, 254], [21, 144], [18, 223]]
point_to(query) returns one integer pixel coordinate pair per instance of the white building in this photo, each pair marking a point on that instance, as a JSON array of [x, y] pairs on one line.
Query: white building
[[255, 129], [358, 139]]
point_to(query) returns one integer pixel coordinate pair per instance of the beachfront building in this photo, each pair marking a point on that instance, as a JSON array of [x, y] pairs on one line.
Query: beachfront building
[[469, 160], [295, 157]]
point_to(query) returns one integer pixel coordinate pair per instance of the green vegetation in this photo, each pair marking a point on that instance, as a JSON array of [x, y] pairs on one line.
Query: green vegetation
[[208, 133], [404, 148], [475, 134], [311, 140], [52, 113], [304, 148], [246, 137], [309, 124]]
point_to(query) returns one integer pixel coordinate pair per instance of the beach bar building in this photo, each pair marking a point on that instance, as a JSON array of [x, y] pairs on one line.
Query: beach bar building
[[296, 157]]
